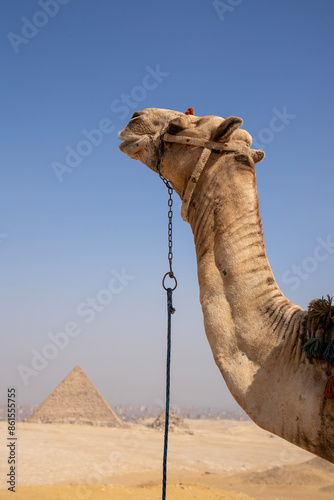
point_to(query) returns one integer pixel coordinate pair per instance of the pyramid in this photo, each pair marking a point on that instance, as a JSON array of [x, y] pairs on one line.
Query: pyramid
[[76, 401], [176, 423]]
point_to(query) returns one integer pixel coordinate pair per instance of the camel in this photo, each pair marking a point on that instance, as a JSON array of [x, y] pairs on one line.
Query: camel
[[255, 333]]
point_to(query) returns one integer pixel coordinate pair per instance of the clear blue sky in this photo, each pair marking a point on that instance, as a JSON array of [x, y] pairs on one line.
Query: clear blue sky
[[60, 242]]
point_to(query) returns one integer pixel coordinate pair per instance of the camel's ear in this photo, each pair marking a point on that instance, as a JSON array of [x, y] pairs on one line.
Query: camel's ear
[[226, 129], [257, 155]]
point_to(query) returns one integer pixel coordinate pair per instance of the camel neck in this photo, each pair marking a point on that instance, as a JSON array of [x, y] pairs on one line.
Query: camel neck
[[226, 222], [235, 278]]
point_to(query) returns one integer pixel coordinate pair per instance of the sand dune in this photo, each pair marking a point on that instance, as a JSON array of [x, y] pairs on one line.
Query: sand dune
[[311, 472], [221, 459], [102, 492]]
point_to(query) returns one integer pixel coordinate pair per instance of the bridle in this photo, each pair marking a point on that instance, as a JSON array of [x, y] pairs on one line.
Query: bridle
[[208, 147]]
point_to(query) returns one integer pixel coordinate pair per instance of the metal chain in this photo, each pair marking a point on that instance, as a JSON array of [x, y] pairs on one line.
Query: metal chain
[[170, 273]]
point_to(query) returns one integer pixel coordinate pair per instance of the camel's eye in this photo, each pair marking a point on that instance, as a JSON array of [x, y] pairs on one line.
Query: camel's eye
[[244, 160], [173, 129]]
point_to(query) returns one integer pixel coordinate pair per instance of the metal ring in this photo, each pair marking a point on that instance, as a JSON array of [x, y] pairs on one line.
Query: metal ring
[[171, 277]]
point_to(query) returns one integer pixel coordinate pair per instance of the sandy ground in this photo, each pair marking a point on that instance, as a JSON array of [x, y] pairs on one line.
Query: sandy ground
[[221, 459]]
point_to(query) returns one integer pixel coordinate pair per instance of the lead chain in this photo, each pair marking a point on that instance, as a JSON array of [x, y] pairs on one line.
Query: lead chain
[[170, 231], [171, 311], [170, 273]]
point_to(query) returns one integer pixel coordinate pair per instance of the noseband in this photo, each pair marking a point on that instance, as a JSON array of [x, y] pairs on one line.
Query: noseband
[[207, 146]]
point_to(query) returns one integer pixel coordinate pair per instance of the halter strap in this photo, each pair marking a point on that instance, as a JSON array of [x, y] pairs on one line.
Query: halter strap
[[194, 141], [207, 146]]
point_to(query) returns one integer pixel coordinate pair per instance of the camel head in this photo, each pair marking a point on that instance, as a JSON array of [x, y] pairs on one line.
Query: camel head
[[144, 139]]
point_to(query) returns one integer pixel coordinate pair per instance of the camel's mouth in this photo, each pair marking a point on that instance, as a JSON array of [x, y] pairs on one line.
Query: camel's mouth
[[131, 144]]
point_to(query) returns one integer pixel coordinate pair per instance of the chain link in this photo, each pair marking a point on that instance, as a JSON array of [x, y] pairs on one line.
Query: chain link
[[170, 273]]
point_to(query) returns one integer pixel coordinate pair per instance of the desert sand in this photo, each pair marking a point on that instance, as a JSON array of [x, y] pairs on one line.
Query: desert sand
[[219, 459]]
